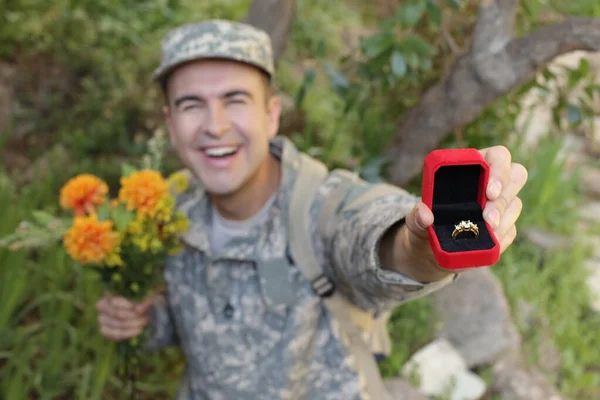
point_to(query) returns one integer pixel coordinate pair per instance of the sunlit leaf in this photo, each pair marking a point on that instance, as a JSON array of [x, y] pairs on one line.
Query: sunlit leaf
[[398, 64], [128, 169], [410, 13]]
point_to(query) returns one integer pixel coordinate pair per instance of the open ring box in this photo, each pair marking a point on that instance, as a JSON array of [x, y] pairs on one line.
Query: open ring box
[[454, 188]]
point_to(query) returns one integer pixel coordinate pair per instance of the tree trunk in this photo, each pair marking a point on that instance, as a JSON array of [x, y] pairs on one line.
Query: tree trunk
[[495, 64], [276, 18]]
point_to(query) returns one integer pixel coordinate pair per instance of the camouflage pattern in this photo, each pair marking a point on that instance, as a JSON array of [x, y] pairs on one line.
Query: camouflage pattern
[[216, 39], [242, 342]]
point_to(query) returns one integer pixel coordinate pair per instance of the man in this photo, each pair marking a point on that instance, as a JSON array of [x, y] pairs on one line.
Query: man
[[243, 336]]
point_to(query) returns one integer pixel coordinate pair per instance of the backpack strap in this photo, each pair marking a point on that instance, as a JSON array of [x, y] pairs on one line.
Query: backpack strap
[[310, 176]]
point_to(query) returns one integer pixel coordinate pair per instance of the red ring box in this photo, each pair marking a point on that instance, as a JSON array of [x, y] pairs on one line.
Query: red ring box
[[454, 188]]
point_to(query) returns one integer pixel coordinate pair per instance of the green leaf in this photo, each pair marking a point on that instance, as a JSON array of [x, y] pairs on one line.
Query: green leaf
[[412, 60], [584, 67], [409, 14], [548, 75], [307, 81], [122, 217], [104, 211], [398, 64], [434, 14], [415, 43], [339, 83], [42, 217], [128, 169], [375, 45], [426, 64], [455, 4]]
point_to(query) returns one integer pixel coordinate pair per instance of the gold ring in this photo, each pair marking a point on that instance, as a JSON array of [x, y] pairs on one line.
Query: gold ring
[[465, 226]]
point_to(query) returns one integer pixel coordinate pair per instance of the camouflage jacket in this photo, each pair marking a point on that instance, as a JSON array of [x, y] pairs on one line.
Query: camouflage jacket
[[244, 338]]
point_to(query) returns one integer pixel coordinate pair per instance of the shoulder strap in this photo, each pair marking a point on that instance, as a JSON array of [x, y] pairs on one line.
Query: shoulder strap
[[311, 174]]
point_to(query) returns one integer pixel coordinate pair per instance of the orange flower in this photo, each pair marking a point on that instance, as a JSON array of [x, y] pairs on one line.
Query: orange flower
[[143, 190], [82, 193], [90, 240]]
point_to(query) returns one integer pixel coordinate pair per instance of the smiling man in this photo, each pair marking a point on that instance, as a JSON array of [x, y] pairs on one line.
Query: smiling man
[[241, 300]]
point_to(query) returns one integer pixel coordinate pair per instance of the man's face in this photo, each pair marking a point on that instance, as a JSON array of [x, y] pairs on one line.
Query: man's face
[[220, 122]]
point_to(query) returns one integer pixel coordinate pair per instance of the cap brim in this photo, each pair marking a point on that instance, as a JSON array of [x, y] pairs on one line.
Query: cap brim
[[164, 70]]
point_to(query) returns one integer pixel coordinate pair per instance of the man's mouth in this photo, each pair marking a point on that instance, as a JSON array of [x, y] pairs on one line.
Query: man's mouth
[[220, 152]]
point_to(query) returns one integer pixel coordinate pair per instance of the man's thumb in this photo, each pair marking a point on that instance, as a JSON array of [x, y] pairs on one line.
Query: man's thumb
[[418, 220]]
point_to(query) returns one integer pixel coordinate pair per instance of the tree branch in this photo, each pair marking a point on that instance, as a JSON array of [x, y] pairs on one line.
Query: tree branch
[[276, 17], [475, 81], [495, 25]]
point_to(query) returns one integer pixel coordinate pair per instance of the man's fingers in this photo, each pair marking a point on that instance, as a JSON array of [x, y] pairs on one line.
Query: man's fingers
[[510, 217], [119, 334], [499, 160], [114, 312], [121, 303], [137, 323], [495, 209], [508, 238]]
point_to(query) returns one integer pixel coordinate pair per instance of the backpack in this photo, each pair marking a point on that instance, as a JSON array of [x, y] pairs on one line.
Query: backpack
[[366, 334]]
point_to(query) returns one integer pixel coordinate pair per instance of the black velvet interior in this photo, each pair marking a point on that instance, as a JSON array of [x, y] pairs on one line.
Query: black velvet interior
[[455, 199]]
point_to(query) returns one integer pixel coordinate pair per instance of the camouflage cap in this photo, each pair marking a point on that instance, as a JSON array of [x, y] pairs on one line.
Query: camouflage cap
[[219, 39]]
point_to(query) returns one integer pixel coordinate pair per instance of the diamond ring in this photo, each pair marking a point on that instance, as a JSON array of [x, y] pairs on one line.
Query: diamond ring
[[465, 226]]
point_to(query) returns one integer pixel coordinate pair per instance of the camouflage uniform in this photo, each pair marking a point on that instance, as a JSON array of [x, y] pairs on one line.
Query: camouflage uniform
[[245, 338]]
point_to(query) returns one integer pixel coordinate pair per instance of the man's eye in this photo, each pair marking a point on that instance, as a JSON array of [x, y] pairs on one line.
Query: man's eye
[[191, 107], [237, 101]]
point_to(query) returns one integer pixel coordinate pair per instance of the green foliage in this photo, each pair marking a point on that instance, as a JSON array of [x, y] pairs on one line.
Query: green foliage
[[106, 54], [352, 74], [411, 327], [549, 188]]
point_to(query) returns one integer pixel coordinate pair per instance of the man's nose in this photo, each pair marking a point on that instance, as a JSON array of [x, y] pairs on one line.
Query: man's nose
[[218, 122]]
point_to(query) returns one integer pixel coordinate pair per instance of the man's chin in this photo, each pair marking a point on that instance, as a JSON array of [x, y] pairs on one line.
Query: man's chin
[[220, 189]]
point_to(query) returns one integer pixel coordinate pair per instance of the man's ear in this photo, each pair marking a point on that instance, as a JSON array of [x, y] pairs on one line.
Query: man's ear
[[274, 110]]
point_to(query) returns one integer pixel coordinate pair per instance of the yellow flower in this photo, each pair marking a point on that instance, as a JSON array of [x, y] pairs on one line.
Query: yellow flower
[[143, 190], [82, 193], [178, 182], [92, 241]]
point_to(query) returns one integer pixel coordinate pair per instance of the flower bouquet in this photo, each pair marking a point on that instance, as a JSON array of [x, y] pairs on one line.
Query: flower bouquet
[[124, 239]]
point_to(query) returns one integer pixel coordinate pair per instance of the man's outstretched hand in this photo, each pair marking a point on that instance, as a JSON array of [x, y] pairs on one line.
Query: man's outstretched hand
[[501, 213]]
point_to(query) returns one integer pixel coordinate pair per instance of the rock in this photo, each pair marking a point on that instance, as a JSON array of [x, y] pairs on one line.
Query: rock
[[399, 389], [526, 315], [591, 181], [590, 212], [514, 381], [440, 370], [546, 240], [593, 282], [548, 354], [476, 317]]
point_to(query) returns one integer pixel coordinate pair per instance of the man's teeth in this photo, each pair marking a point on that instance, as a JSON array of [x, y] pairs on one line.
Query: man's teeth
[[220, 151]]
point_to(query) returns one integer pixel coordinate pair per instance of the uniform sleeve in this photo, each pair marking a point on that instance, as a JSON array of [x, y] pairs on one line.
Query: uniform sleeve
[[350, 247], [161, 330]]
